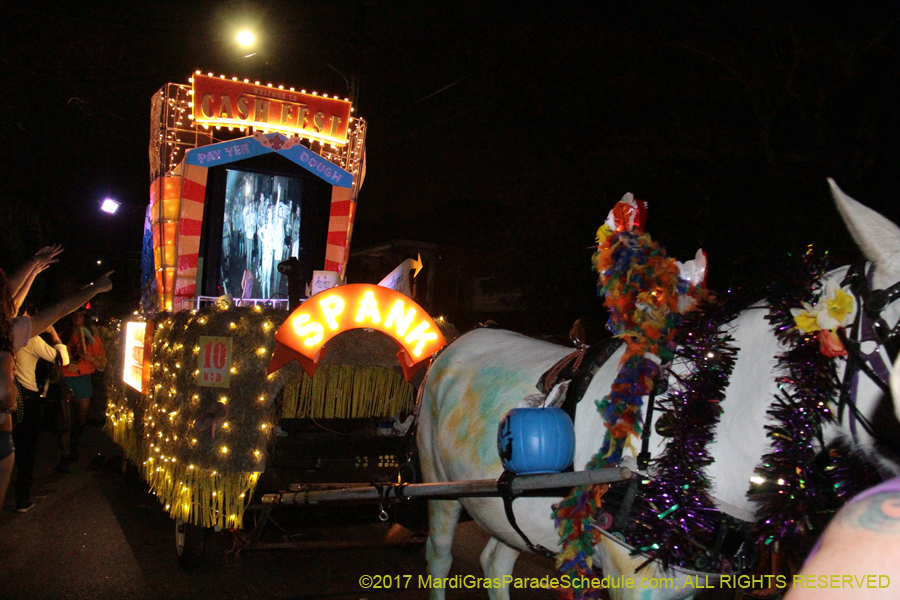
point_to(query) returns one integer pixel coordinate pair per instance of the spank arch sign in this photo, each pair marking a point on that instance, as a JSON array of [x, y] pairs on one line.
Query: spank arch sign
[[304, 334]]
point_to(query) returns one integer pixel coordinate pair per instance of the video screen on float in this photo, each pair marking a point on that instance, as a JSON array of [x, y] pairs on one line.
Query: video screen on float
[[260, 228]]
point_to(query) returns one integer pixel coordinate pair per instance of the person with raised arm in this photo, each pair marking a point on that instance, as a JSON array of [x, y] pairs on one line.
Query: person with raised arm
[[8, 404], [20, 281], [16, 331], [27, 430]]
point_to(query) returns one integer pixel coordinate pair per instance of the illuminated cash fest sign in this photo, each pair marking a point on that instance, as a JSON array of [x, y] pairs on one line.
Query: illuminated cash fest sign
[[229, 102], [356, 306]]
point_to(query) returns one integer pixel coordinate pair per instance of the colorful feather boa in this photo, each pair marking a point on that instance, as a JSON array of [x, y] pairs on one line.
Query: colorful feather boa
[[641, 287]]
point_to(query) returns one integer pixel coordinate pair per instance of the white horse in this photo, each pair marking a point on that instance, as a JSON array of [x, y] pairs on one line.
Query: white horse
[[486, 372]]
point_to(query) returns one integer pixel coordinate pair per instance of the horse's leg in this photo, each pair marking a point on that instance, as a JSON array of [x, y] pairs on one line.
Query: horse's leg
[[442, 518], [497, 561]]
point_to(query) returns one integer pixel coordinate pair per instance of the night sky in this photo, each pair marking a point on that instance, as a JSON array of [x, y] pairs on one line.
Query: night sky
[[512, 126]]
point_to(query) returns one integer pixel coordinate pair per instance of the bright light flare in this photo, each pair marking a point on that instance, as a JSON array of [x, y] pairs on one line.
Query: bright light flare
[[246, 38], [109, 206]]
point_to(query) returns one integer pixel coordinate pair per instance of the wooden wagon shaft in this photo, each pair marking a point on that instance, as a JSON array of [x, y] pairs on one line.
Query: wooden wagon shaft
[[454, 489], [319, 487]]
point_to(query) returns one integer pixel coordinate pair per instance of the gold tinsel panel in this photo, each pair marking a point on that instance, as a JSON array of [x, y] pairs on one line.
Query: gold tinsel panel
[[347, 392], [205, 446], [120, 427], [206, 498]]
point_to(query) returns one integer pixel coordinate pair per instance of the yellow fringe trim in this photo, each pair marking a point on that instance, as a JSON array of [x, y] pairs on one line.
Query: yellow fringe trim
[[205, 498], [347, 392], [200, 496], [121, 430]]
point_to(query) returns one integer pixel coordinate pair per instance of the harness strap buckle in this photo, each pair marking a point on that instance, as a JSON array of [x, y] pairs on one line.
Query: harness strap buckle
[[876, 301], [504, 486]]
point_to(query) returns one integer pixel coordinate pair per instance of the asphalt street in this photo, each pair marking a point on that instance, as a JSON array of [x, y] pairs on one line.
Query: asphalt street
[[97, 533]]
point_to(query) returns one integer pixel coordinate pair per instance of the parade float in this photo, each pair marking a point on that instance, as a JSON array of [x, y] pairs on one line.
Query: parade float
[[254, 377], [252, 202]]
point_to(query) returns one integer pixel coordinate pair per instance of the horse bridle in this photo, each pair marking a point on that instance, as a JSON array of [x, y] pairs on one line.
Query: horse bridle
[[868, 318], [875, 301]]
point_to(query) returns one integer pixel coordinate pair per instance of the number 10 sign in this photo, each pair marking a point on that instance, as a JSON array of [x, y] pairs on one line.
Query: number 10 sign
[[215, 361]]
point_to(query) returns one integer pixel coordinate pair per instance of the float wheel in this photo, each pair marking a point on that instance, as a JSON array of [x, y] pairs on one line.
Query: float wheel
[[189, 544]]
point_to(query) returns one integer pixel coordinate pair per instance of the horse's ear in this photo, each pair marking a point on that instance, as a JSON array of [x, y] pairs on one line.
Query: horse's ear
[[876, 236]]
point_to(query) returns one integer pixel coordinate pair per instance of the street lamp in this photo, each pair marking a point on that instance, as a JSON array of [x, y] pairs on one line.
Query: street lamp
[[109, 206], [246, 38]]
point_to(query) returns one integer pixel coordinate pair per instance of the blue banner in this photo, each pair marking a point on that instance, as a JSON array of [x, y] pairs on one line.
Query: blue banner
[[258, 144]]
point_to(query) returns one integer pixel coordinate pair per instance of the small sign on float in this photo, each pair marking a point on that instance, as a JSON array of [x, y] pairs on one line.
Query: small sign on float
[[323, 280], [215, 362]]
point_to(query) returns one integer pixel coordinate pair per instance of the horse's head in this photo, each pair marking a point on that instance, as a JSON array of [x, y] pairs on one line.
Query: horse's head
[[879, 240]]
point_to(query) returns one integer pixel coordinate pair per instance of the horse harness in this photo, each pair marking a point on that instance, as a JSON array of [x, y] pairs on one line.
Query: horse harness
[[579, 367], [875, 301], [867, 326]]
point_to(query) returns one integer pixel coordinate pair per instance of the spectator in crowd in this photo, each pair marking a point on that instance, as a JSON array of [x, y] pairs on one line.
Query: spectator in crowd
[[247, 287], [16, 331], [86, 355], [26, 431], [7, 386]]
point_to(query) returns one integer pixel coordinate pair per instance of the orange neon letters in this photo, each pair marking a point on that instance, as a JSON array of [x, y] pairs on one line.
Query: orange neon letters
[[311, 333], [356, 306]]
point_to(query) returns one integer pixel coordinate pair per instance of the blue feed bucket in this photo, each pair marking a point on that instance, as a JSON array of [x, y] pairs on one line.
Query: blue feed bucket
[[536, 440]]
